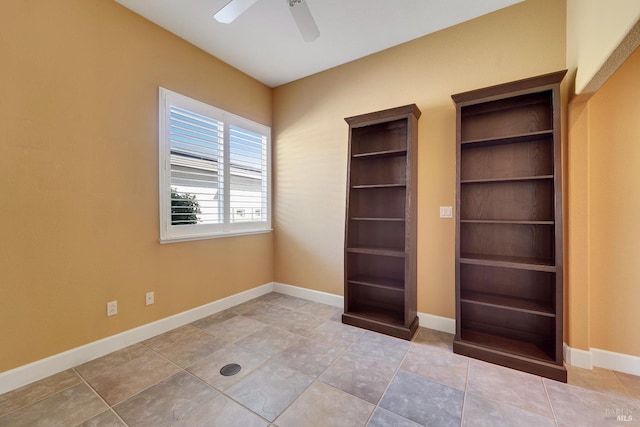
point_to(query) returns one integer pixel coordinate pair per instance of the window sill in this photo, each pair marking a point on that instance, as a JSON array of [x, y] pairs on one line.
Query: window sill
[[214, 236]]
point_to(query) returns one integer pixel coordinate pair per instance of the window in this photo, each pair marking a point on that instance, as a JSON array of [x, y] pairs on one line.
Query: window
[[214, 171]]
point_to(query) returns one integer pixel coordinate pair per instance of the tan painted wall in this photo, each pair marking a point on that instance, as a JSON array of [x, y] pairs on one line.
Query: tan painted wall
[[614, 200], [595, 29], [577, 228], [597, 42], [79, 176], [521, 41]]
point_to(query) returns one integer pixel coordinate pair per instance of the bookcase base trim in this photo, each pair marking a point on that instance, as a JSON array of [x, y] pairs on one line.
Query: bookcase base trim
[[397, 331], [535, 367]]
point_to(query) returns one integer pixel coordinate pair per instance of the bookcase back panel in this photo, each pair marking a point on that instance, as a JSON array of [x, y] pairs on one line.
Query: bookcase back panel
[[531, 347], [507, 323], [509, 240], [528, 158], [376, 234], [385, 136], [536, 286], [518, 201], [505, 117], [377, 202], [372, 171], [374, 267], [387, 305]]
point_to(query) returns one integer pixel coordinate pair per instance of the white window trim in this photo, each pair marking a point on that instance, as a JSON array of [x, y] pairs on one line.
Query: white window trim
[[171, 233]]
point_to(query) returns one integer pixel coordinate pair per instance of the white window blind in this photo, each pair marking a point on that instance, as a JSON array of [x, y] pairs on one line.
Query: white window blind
[[214, 171], [196, 153], [248, 164]]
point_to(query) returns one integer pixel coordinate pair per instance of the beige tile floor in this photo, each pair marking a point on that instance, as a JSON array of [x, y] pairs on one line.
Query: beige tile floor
[[302, 367]]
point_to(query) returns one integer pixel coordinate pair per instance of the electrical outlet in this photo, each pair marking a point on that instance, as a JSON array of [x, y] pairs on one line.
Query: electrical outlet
[[446, 212], [112, 308], [149, 298]]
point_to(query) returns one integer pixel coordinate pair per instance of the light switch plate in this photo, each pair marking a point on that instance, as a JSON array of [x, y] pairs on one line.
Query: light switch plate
[[446, 212]]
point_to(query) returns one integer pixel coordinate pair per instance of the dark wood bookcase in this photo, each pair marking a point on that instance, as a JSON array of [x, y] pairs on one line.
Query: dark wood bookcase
[[380, 230], [509, 292]]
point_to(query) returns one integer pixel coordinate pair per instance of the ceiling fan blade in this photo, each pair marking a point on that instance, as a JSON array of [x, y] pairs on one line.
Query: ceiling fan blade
[[232, 10], [304, 20]]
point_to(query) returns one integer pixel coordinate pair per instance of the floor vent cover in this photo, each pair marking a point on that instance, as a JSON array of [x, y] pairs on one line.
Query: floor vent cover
[[230, 369]]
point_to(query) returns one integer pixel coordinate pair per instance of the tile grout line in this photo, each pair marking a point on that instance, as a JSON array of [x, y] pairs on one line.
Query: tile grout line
[[626, 390], [267, 360], [437, 351], [332, 363], [198, 378], [223, 393], [464, 401], [377, 405], [553, 418], [397, 369], [187, 372], [605, 393], [109, 407], [150, 385], [43, 397], [346, 349], [546, 392], [464, 397], [317, 378]]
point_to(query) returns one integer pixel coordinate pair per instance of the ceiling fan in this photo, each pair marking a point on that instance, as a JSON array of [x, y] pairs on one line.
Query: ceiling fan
[[298, 8]]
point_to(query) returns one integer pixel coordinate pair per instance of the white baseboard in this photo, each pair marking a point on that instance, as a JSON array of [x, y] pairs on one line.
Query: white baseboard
[[18, 377], [438, 323], [576, 357], [310, 294], [430, 321], [616, 361], [15, 378], [602, 359]]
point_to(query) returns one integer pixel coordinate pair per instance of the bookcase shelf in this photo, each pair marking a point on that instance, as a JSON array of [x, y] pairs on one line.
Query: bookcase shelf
[[380, 230], [377, 219], [520, 263], [376, 316], [368, 186], [387, 153], [508, 139], [389, 284], [517, 178], [502, 221], [378, 251], [501, 344], [509, 294], [542, 308]]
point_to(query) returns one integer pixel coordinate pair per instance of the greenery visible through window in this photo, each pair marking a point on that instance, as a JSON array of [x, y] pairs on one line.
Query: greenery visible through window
[[184, 208]]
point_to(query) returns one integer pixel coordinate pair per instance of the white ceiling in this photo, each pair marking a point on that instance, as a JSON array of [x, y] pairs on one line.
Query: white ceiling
[[265, 43]]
